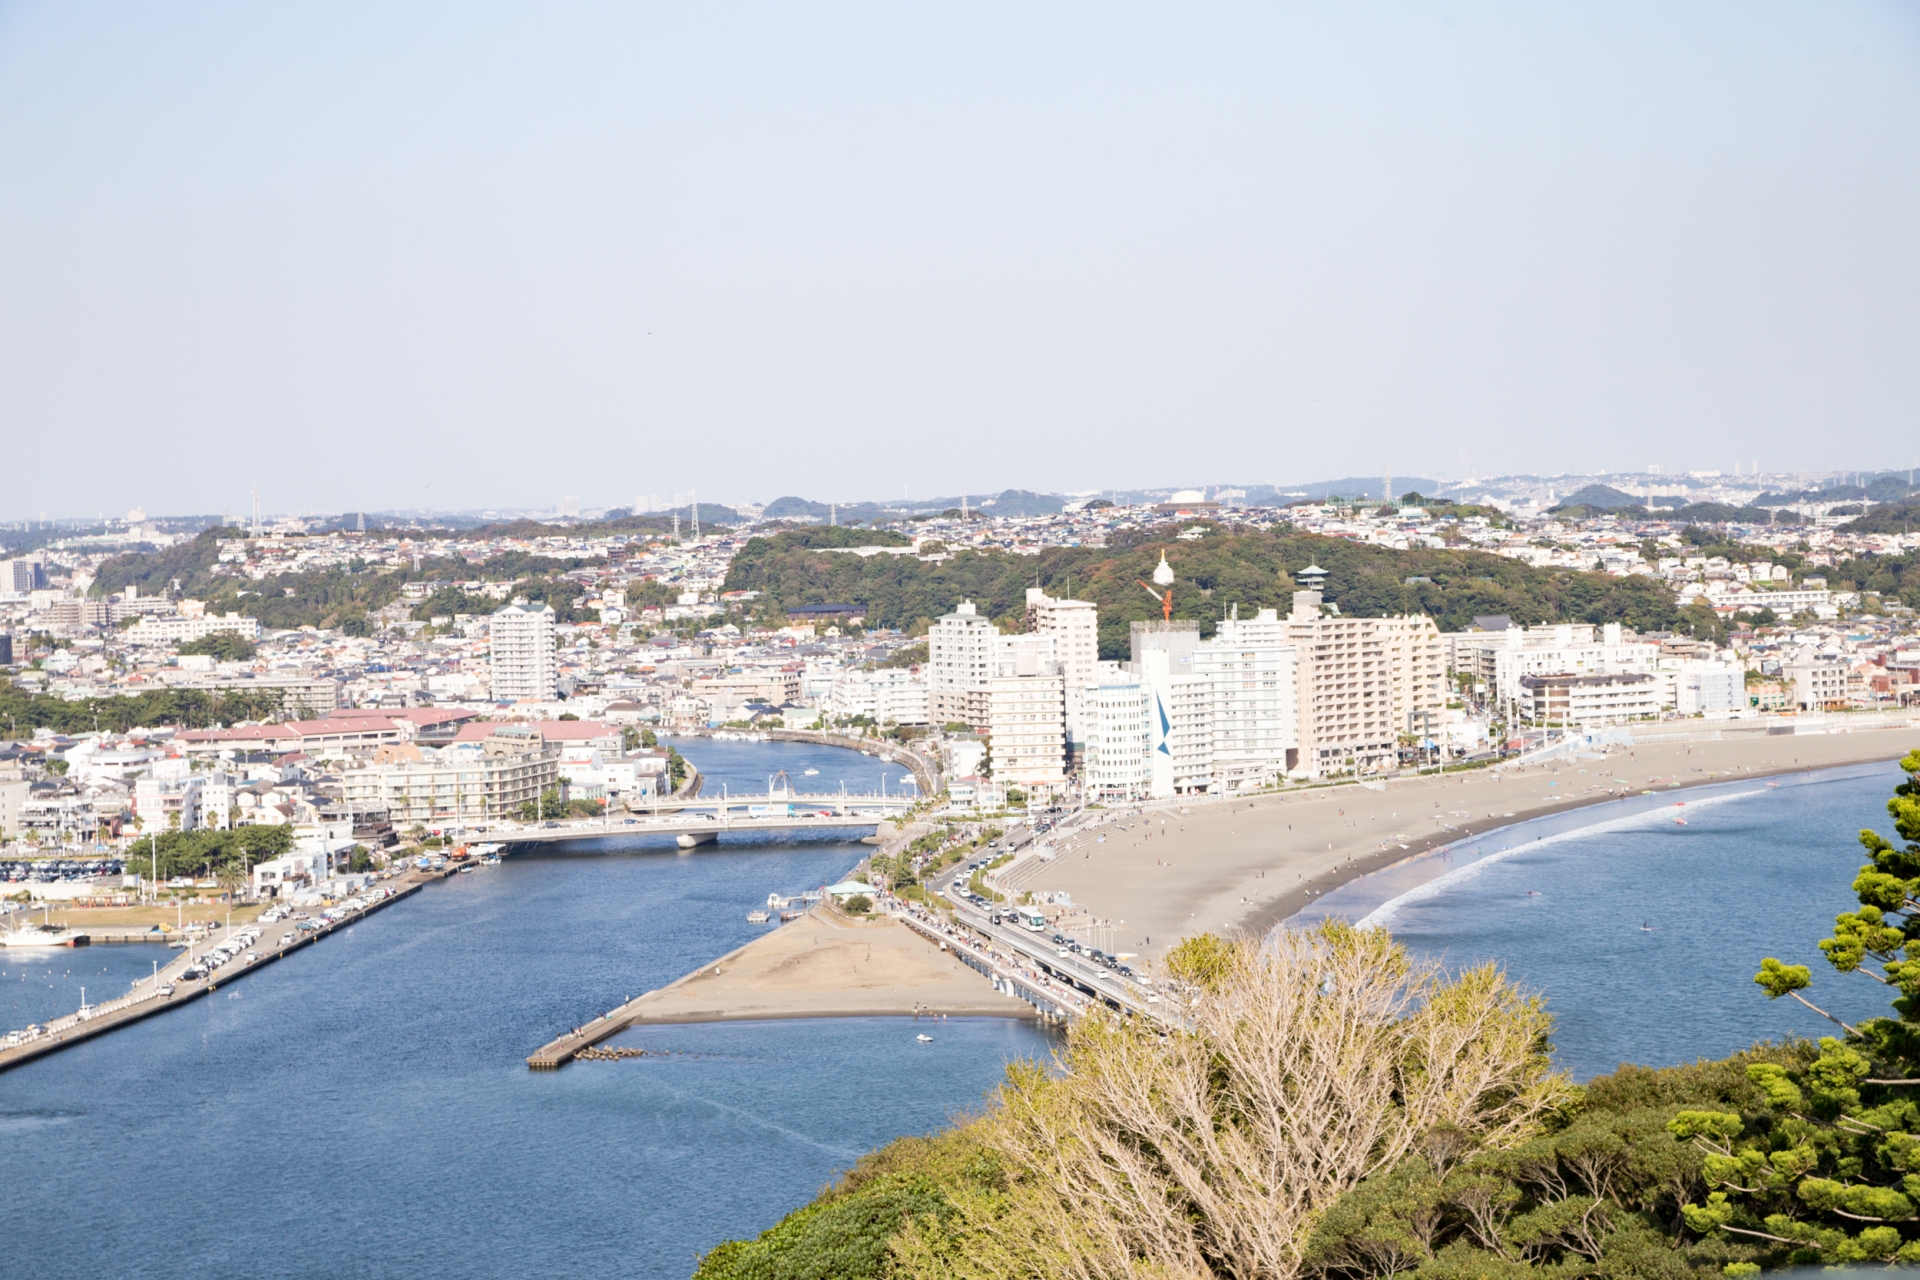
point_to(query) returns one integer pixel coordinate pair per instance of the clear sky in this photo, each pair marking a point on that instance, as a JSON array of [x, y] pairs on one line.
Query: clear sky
[[465, 255]]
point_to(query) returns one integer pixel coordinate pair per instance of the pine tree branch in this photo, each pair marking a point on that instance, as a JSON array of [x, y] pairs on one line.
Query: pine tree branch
[[1823, 1013]]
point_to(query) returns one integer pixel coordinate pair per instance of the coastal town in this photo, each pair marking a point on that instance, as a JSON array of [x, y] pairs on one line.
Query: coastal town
[[291, 766], [960, 642], [349, 733]]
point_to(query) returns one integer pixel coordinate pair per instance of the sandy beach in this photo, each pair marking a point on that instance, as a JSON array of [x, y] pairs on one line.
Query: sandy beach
[[1243, 866], [827, 965]]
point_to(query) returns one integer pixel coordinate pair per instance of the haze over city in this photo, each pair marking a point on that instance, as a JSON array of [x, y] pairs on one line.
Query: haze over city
[[460, 256]]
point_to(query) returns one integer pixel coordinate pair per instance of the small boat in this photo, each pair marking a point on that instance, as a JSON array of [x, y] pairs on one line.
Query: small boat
[[757, 917], [1645, 927], [811, 773], [1533, 893], [1679, 822], [924, 1038]]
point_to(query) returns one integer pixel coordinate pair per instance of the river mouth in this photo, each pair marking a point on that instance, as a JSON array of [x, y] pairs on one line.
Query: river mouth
[[368, 1102]]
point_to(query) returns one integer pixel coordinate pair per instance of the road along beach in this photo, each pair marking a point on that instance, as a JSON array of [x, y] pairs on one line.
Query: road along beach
[[1160, 874]]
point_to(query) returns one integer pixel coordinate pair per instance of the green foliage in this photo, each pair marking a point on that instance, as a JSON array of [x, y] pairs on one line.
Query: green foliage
[[846, 1232], [1204, 960], [1236, 567], [1894, 578], [450, 601], [912, 656], [1601, 1192], [1829, 1172], [21, 712], [858, 905], [166, 854], [817, 536], [222, 646]]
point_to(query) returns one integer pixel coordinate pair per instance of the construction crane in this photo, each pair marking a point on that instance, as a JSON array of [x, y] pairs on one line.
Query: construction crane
[[1163, 575]]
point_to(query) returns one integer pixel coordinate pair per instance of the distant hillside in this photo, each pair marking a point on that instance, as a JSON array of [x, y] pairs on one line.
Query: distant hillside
[[1251, 570], [1022, 502], [1364, 488], [1888, 486], [793, 508], [1692, 513], [1898, 517], [1599, 497]]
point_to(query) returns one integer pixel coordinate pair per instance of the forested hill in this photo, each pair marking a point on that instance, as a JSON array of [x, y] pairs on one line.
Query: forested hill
[[333, 597], [1252, 569]]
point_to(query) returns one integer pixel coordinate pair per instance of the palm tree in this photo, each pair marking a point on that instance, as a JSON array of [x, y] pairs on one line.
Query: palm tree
[[232, 878]]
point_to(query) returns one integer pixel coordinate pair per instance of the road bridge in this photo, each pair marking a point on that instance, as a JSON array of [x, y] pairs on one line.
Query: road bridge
[[700, 821]]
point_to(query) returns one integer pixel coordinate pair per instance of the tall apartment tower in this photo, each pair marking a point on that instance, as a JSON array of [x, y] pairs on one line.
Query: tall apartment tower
[[520, 638], [959, 666], [1249, 666], [1363, 682], [1075, 628], [1026, 712]]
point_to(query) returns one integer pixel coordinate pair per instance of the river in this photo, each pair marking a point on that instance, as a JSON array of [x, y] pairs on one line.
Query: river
[[363, 1108]]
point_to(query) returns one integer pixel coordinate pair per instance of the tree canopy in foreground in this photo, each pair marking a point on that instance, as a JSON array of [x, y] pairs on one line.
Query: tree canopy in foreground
[[1339, 1111]]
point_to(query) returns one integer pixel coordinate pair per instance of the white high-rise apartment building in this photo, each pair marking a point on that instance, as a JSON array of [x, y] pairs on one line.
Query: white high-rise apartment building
[[959, 664], [1075, 628], [520, 644], [1114, 755], [1346, 690], [1249, 671], [1027, 712]]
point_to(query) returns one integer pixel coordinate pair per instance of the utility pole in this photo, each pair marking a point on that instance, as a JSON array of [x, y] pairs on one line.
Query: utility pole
[[693, 497]]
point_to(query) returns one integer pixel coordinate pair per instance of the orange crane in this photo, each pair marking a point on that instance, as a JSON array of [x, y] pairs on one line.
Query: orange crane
[[1165, 603]]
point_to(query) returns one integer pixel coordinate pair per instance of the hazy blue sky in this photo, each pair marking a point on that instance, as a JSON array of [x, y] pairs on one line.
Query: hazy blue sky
[[467, 254]]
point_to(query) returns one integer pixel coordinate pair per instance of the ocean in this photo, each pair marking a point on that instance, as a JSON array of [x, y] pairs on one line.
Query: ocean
[[1643, 920]]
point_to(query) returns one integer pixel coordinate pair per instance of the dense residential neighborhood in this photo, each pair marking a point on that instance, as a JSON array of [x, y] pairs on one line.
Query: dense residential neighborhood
[[346, 682]]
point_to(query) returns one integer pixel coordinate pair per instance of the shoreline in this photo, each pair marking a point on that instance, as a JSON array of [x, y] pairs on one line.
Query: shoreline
[[823, 965], [1260, 923], [1164, 873]]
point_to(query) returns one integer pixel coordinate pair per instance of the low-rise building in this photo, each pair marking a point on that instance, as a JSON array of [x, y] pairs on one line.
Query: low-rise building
[[464, 783], [1817, 681], [1568, 698]]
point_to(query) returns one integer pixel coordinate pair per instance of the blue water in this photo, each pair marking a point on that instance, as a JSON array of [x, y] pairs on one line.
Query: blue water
[[363, 1108], [1755, 872], [40, 984]]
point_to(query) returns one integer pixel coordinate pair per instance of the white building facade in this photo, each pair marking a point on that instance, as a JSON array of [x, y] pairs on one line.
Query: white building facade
[[520, 642], [959, 665]]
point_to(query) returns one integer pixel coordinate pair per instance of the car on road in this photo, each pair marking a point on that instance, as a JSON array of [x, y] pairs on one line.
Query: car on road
[[286, 939]]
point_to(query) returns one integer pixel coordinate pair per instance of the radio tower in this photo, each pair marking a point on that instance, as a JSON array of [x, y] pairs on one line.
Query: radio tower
[[693, 496]]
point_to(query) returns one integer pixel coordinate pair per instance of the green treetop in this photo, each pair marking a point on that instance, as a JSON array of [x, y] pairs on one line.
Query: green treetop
[[1831, 1173]]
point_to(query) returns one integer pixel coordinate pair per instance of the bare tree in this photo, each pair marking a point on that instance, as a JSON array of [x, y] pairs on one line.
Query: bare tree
[[1210, 1151]]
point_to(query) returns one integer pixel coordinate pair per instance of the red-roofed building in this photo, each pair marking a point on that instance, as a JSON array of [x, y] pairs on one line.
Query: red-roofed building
[[357, 732]]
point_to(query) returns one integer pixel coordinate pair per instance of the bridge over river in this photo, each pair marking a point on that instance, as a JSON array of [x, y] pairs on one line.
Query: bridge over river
[[702, 819]]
